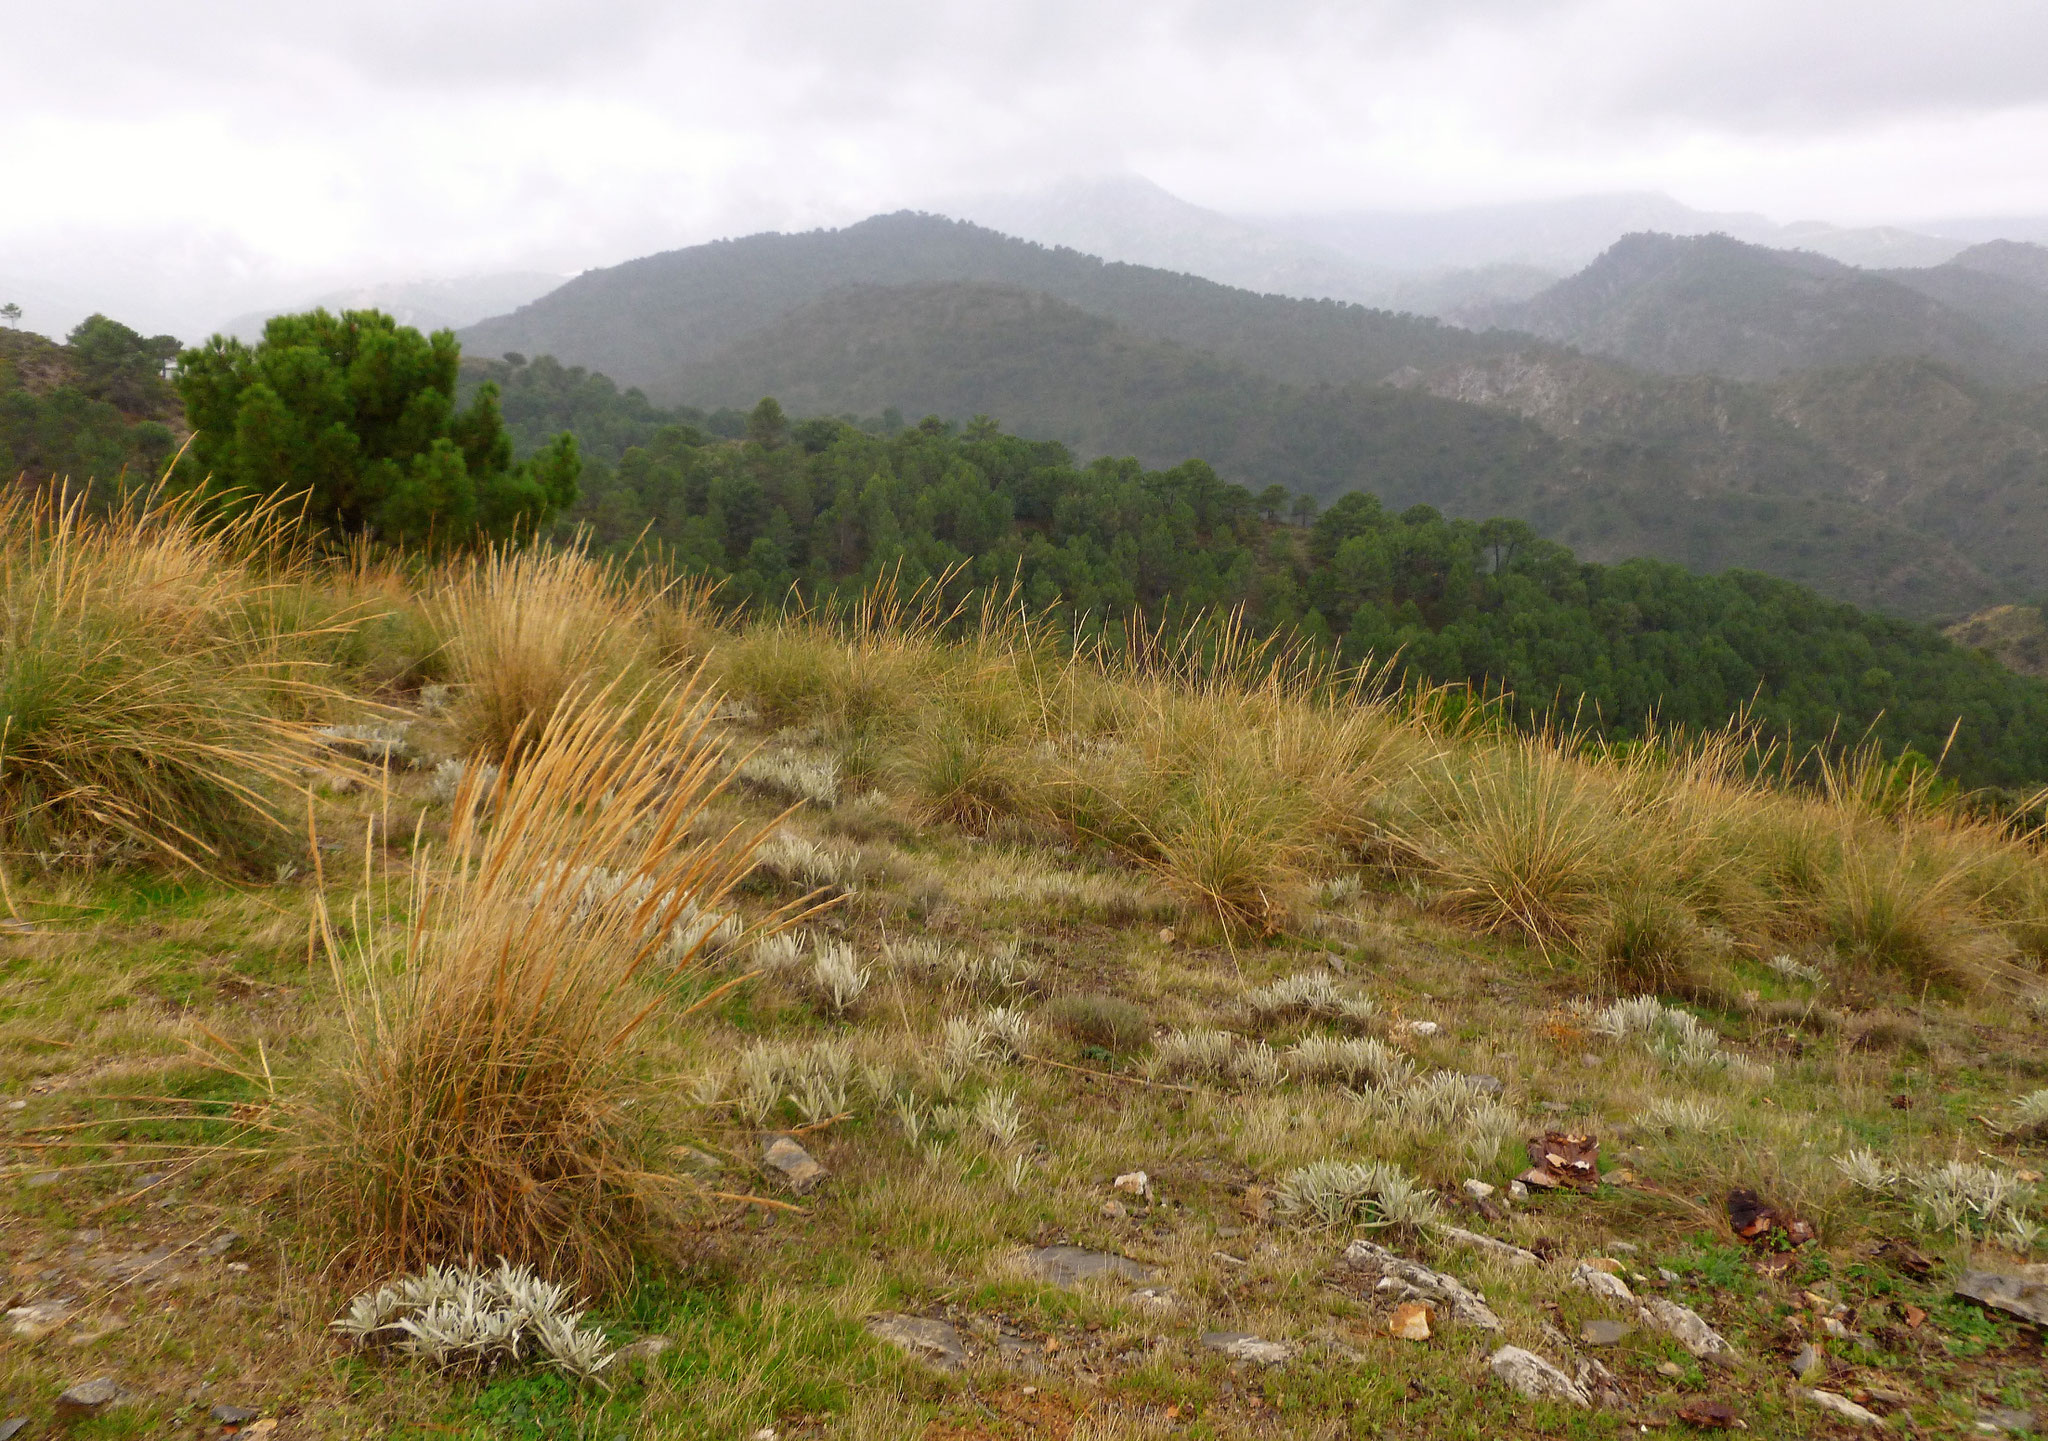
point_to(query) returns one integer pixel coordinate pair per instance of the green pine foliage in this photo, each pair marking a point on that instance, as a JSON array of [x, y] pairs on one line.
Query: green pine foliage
[[357, 413], [829, 507], [92, 412]]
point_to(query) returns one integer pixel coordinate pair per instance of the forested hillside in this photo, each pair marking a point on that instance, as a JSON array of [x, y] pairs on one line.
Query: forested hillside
[[1690, 492], [643, 322], [932, 316], [95, 409], [829, 507]]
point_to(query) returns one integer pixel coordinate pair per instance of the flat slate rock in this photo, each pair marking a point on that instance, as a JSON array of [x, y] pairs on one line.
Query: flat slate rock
[[930, 1341], [11, 1427], [1070, 1266], [1243, 1346], [2002, 1418], [225, 1415], [2023, 1293]]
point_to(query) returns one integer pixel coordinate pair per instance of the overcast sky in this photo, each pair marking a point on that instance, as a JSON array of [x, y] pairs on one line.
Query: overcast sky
[[199, 154]]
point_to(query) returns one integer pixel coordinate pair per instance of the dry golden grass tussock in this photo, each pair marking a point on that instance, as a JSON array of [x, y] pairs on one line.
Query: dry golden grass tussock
[[1525, 838], [478, 1103], [525, 628], [141, 675]]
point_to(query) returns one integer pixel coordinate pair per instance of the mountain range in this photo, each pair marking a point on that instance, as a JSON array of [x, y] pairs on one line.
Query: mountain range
[[1854, 432]]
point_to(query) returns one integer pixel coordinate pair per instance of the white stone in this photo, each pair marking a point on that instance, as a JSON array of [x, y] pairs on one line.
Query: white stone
[[1527, 1374]]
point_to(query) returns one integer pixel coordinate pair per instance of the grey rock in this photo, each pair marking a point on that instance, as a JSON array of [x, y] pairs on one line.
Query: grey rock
[[1500, 1250], [1623, 1248], [44, 1178], [647, 1348], [1070, 1266], [2023, 1293], [11, 1427], [1668, 1276], [1155, 1298], [220, 1245], [1487, 1085], [1527, 1374], [1808, 1362], [226, 1415], [1517, 1191], [1243, 1346], [1591, 1061], [1455, 1300], [1843, 1407], [1477, 1189], [1999, 1418], [1606, 1286], [1604, 1332], [803, 1173], [90, 1396], [933, 1342], [38, 1318], [1688, 1328]]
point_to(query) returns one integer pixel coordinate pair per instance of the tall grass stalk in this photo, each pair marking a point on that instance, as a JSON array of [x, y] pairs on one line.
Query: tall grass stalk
[[478, 1104]]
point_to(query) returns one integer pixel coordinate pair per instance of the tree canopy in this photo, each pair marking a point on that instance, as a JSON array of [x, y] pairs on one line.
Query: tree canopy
[[829, 506], [358, 414]]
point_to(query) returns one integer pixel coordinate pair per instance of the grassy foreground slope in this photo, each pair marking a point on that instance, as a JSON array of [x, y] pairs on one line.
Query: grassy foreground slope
[[1307, 957]]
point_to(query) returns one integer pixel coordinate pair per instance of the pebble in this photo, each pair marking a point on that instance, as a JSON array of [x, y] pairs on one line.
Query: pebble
[[1477, 1189], [38, 1319], [1670, 1369], [225, 1415], [1808, 1361], [1517, 1191], [1134, 1183], [1604, 1332], [1487, 1085], [1423, 1028]]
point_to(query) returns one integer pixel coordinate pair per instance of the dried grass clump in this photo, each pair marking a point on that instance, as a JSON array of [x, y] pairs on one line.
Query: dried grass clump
[[1233, 769], [1355, 1061], [1355, 1193], [1310, 994], [800, 775], [1523, 837], [143, 683], [1192, 1055], [478, 1104], [2030, 1115], [526, 628], [1111, 1023]]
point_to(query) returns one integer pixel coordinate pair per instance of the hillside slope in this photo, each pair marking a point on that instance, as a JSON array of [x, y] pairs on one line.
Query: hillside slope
[[1707, 304], [1051, 371], [642, 322]]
